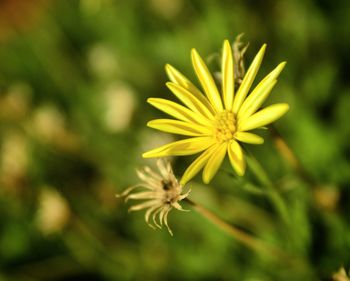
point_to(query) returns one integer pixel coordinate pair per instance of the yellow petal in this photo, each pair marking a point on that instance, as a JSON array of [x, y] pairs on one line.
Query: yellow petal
[[190, 100], [263, 117], [236, 157], [214, 162], [276, 72], [181, 147], [207, 81], [178, 111], [249, 138], [178, 78], [179, 127], [260, 93], [227, 75], [197, 165], [255, 100], [248, 80]]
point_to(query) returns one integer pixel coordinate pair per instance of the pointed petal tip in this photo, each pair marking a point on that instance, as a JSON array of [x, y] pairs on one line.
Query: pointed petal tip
[[236, 157], [171, 85], [214, 162], [248, 79], [240, 172], [262, 49], [183, 181], [250, 138], [264, 117], [205, 178], [284, 107], [227, 43], [170, 72], [283, 63], [169, 69], [147, 155], [281, 66], [150, 100], [194, 53]]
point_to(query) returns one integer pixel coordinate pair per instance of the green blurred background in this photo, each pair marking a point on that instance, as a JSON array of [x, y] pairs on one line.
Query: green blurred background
[[74, 78]]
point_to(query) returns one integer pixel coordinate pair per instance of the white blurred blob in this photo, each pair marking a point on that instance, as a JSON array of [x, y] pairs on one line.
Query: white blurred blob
[[14, 159], [167, 9], [48, 124], [119, 104], [53, 213], [103, 61], [15, 103]]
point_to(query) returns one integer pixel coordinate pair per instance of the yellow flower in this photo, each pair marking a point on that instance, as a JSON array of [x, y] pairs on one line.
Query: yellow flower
[[163, 193], [216, 123]]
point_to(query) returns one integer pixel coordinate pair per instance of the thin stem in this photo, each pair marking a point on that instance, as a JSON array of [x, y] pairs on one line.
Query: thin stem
[[238, 234], [274, 196], [247, 239]]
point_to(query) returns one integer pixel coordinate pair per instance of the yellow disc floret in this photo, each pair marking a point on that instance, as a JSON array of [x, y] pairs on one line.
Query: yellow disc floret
[[224, 126]]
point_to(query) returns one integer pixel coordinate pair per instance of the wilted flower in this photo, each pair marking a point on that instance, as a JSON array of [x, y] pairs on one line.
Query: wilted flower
[[216, 123], [162, 193]]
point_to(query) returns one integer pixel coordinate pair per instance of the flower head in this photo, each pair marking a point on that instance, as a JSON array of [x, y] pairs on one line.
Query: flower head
[[162, 193], [216, 123]]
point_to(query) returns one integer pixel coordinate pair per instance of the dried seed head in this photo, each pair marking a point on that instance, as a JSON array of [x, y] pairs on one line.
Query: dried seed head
[[239, 48], [162, 192]]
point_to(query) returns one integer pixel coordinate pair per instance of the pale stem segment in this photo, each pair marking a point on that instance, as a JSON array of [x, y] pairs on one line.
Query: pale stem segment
[[238, 234], [249, 240]]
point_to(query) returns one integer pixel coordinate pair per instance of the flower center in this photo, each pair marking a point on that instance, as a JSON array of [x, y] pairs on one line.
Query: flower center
[[167, 185], [224, 126], [171, 191]]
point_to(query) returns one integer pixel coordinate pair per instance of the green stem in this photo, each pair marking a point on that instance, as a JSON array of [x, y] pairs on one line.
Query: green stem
[[238, 234], [274, 196], [249, 240]]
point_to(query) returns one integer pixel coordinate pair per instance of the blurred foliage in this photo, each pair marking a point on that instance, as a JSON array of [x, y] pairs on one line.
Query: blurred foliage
[[74, 77]]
